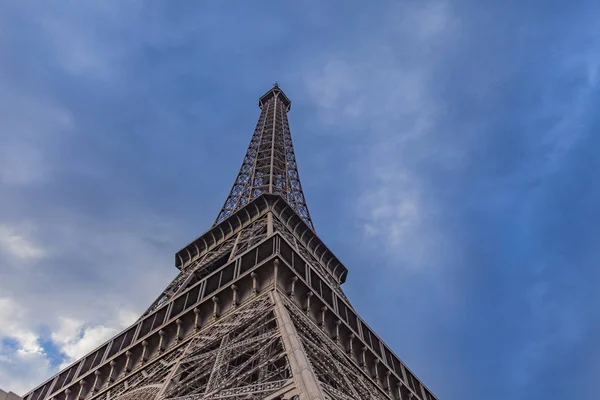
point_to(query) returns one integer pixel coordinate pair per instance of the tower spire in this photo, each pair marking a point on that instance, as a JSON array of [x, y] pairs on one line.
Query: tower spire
[[270, 164]]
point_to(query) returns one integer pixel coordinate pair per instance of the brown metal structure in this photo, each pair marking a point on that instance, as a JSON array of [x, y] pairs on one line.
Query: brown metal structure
[[256, 312], [270, 164]]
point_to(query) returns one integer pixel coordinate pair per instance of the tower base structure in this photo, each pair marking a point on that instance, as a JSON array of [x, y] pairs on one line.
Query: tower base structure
[[264, 325]]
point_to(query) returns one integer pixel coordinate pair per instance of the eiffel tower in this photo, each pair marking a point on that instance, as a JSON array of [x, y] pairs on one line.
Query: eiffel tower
[[256, 312]]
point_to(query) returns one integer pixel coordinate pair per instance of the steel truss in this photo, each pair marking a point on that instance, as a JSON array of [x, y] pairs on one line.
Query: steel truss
[[247, 358], [270, 164], [338, 375], [204, 265], [239, 357]]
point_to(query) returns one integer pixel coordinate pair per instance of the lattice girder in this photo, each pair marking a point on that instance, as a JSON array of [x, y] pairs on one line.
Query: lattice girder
[[243, 229], [270, 163]]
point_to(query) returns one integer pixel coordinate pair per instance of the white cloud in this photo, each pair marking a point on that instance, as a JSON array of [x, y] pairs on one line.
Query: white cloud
[[127, 317], [26, 365], [398, 219], [21, 371], [12, 316], [69, 330], [88, 313], [392, 214], [32, 131], [28, 360], [18, 246], [75, 339]]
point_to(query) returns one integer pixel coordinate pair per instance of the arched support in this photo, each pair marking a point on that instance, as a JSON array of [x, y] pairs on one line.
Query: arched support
[[234, 299], [127, 368], [350, 349], [215, 308], [376, 375], [144, 351], [293, 286], [82, 385], [111, 376], [196, 318], [388, 386], [254, 283], [363, 357], [323, 313], [178, 335], [162, 334], [307, 303], [96, 386], [337, 332], [275, 272]]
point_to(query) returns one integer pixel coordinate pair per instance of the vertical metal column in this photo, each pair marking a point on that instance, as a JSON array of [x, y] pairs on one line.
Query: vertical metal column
[[305, 378]]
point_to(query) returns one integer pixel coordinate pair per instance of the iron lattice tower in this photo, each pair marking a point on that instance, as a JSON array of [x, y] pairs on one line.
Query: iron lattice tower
[[270, 164], [256, 312]]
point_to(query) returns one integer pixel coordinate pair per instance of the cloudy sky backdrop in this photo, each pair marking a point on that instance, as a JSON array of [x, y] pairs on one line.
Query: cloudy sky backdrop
[[448, 152]]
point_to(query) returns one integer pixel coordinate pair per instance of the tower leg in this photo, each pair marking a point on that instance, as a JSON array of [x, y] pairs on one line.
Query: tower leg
[[306, 380]]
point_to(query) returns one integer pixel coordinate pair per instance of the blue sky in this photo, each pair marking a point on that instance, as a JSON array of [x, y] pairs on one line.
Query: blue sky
[[447, 150]]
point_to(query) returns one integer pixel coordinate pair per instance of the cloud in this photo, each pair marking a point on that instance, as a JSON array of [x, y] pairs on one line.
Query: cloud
[[82, 281], [12, 316], [18, 246], [382, 95], [52, 334], [463, 145], [20, 371], [79, 264], [384, 91], [74, 319], [462, 153], [75, 339], [25, 358]]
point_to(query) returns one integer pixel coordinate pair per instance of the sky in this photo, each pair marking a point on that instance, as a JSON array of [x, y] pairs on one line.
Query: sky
[[447, 151]]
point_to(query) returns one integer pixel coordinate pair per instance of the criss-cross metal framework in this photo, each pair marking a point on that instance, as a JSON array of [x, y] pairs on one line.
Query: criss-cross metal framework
[[256, 312], [270, 164]]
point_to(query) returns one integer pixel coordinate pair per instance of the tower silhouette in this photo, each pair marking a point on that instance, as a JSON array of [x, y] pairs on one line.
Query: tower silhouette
[[256, 312]]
